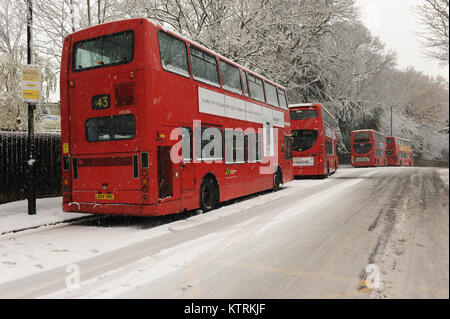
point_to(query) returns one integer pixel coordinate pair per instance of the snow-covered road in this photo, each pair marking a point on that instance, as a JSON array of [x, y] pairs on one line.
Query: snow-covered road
[[312, 239]]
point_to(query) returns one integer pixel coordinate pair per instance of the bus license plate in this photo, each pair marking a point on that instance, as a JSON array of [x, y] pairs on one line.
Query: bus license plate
[[304, 161], [362, 159], [104, 196]]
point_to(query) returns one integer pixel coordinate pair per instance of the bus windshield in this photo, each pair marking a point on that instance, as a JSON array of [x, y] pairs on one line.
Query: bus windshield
[[103, 51], [304, 139], [389, 141], [303, 114], [362, 148]]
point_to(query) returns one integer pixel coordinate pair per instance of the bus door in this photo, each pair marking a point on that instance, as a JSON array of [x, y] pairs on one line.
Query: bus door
[[168, 171]]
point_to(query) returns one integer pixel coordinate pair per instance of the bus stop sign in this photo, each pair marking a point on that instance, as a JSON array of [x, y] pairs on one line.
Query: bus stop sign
[[31, 83]]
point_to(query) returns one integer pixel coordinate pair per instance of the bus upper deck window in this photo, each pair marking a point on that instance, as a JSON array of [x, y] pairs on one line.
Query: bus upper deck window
[[173, 53], [108, 50]]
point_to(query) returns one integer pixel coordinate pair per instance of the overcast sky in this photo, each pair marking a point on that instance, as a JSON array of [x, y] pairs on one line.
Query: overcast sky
[[393, 21]]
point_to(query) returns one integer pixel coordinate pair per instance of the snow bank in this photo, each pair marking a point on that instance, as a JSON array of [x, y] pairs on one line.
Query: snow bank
[[14, 216]]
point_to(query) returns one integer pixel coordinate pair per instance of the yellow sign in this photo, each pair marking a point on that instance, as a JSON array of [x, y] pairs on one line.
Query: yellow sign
[[104, 196], [65, 148], [31, 83]]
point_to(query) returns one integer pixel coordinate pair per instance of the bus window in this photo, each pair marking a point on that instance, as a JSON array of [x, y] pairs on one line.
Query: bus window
[[211, 144], [186, 144], [204, 67], [287, 148], [271, 93], [256, 88], [110, 128], [254, 147], [282, 99], [103, 51], [361, 137], [389, 141], [231, 79], [173, 53], [303, 114], [304, 139], [244, 82], [362, 148], [234, 146], [329, 148]]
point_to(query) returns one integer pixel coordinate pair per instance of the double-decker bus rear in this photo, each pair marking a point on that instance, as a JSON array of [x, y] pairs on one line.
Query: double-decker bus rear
[[314, 140], [368, 148], [101, 73]]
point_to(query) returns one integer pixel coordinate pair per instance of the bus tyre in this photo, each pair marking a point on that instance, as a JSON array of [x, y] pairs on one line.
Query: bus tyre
[[209, 194], [277, 180]]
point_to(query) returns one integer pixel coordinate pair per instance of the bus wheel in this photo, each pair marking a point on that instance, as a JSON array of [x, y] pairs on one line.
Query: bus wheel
[[277, 180], [209, 194]]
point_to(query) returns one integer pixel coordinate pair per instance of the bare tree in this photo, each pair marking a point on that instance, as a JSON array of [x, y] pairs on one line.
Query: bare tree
[[434, 15]]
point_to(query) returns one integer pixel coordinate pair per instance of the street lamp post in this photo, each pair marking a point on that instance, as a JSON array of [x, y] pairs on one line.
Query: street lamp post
[[391, 121], [31, 107]]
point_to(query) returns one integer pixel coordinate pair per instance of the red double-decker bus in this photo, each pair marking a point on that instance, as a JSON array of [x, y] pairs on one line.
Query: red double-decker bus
[[314, 140], [153, 124], [368, 148], [399, 151]]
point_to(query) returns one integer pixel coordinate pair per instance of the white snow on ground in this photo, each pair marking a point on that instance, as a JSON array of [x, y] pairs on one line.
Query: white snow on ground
[[14, 216], [37, 250], [144, 271], [444, 175]]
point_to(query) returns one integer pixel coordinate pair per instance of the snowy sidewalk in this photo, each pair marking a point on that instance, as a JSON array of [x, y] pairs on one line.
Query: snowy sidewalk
[[14, 216]]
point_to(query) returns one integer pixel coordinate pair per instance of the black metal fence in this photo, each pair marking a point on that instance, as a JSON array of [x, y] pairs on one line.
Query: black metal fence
[[14, 165]]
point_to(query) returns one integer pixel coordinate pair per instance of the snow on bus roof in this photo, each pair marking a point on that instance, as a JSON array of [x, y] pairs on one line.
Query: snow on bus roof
[[366, 130], [302, 105]]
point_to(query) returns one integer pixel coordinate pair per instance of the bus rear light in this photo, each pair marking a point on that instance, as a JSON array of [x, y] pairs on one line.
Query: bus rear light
[[72, 84], [160, 135], [67, 187], [132, 75], [145, 184]]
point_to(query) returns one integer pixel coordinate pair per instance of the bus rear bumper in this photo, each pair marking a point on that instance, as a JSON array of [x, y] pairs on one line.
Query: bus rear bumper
[[110, 209]]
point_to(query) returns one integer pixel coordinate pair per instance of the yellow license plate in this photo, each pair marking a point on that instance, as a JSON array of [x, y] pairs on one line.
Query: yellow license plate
[[104, 196]]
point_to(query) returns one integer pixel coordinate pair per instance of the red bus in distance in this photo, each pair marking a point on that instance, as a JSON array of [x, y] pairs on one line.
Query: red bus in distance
[[399, 151], [154, 124], [368, 148], [314, 140]]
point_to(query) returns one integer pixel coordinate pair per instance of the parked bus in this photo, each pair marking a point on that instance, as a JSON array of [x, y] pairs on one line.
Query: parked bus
[[368, 148], [154, 124], [399, 151], [314, 140]]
